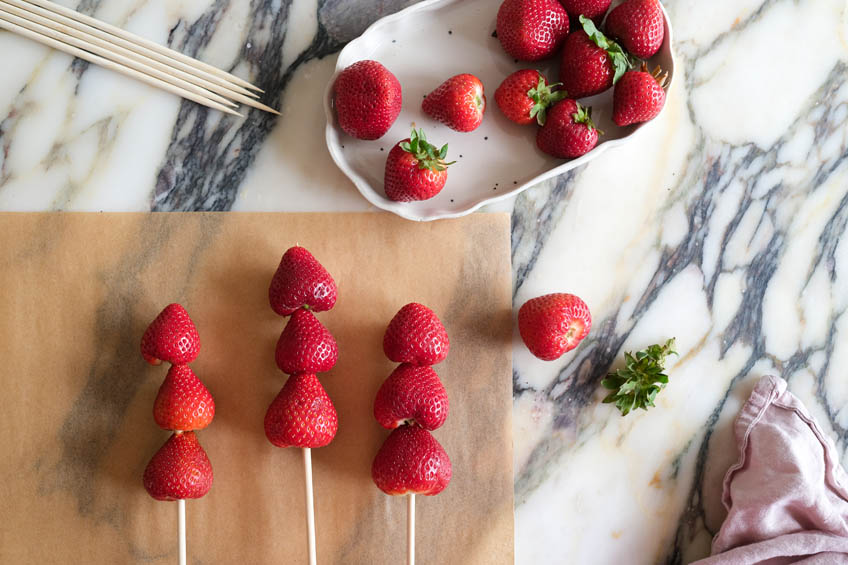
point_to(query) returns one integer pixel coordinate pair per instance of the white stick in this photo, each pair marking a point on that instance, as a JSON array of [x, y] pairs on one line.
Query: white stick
[[182, 528], [128, 58], [310, 506], [146, 43], [410, 529], [130, 46], [92, 58]]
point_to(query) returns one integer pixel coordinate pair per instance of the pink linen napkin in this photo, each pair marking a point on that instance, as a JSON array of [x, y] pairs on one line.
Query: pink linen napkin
[[786, 497]]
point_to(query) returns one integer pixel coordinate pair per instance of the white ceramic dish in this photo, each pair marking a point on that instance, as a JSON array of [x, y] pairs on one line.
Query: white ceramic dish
[[425, 44]]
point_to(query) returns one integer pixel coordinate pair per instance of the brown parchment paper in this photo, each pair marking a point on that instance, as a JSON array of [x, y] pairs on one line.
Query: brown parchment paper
[[77, 291]]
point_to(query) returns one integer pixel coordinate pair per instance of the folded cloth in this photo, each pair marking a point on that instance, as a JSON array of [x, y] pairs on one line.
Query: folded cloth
[[786, 497]]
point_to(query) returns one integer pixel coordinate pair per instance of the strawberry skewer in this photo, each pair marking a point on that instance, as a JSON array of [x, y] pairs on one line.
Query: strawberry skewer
[[180, 469], [302, 415], [410, 402]]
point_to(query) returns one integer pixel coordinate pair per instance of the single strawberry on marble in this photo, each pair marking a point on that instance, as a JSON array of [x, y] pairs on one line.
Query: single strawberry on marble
[[553, 324]]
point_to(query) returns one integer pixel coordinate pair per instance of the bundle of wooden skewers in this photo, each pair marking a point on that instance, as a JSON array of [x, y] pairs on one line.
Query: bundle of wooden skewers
[[113, 48]]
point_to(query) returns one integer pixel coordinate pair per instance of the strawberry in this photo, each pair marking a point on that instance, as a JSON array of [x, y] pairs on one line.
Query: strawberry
[[415, 170], [171, 337], [553, 324], [301, 282], [411, 461], [458, 103], [306, 346], [592, 9], [524, 97], [638, 25], [302, 414], [568, 132], [531, 30], [590, 62], [412, 394], [367, 98], [638, 96], [416, 335], [179, 470], [183, 403]]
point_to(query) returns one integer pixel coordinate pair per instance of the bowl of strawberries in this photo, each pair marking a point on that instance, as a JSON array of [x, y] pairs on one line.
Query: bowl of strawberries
[[449, 105]]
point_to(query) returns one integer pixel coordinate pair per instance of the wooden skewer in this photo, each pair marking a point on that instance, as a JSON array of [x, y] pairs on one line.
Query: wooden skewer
[[130, 59], [111, 65], [410, 529], [150, 45], [137, 51], [310, 506], [65, 38], [182, 530]]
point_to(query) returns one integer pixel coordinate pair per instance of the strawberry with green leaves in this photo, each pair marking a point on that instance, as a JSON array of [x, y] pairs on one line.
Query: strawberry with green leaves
[[459, 103], [639, 96], [569, 131], [524, 97], [591, 63], [415, 169], [641, 379]]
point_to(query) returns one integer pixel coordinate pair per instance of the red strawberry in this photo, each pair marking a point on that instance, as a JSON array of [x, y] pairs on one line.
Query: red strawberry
[[302, 415], [412, 394], [301, 282], [306, 346], [592, 9], [171, 337], [568, 132], [638, 96], [458, 103], [553, 324], [415, 170], [531, 30], [416, 335], [179, 470], [524, 98], [367, 98], [638, 25], [591, 63], [183, 403], [411, 461]]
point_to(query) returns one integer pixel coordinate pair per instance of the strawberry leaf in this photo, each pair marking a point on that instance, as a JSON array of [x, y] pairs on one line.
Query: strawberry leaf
[[641, 380], [621, 62], [428, 155], [583, 115], [544, 97]]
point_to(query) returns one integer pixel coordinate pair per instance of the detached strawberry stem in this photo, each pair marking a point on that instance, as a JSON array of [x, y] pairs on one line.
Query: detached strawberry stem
[[641, 379], [621, 61], [429, 157]]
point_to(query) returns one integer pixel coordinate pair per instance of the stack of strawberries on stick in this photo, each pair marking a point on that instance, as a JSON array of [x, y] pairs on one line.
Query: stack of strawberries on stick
[[180, 469], [412, 402], [302, 415]]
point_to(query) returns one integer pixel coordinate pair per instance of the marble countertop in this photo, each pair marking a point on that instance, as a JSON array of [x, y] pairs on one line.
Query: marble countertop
[[722, 226]]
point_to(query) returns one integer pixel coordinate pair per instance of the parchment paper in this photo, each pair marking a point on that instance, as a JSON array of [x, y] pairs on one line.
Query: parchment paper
[[77, 291]]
